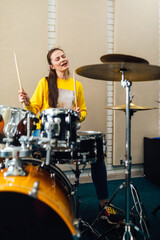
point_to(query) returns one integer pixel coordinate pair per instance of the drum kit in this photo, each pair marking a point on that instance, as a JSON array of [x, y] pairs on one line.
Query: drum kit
[[24, 176], [38, 184]]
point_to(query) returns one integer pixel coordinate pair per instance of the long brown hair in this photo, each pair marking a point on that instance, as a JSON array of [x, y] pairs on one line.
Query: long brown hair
[[52, 82]]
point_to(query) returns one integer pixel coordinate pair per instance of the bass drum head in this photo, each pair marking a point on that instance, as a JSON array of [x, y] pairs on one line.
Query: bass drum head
[[27, 217]]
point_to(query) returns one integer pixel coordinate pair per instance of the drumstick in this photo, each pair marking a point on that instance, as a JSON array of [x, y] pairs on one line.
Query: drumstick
[[18, 75], [75, 96]]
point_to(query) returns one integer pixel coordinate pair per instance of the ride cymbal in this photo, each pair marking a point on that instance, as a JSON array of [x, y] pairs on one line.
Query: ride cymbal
[[113, 71], [122, 58], [133, 107]]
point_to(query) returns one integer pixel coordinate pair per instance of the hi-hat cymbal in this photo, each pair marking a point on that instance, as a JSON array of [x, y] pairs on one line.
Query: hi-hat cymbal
[[133, 107], [122, 58], [113, 71]]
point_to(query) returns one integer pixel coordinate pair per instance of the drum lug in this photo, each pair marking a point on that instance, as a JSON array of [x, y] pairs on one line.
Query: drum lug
[[67, 119], [24, 121], [33, 193], [84, 156], [104, 147], [76, 225], [52, 127], [78, 125], [72, 193], [56, 126], [95, 150], [67, 137], [105, 151]]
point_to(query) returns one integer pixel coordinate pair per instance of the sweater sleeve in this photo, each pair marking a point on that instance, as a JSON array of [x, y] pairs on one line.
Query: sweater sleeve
[[81, 102], [36, 100]]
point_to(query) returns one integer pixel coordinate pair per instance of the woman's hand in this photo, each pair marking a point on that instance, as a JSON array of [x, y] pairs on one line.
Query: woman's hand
[[77, 109], [23, 97]]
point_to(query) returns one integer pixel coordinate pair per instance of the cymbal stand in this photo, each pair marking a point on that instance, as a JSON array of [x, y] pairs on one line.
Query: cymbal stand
[[126, 84], [129, 188], [128, 160]]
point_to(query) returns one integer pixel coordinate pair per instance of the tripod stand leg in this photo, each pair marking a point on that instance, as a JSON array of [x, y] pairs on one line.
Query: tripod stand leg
[[91, 229], [127, 233], [138, 207]]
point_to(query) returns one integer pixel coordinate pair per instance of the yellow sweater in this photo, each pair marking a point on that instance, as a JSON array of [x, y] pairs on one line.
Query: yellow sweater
[[39, 100]]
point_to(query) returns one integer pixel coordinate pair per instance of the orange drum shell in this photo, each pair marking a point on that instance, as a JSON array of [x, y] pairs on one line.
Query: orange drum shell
[[49, 191], [1, 126]]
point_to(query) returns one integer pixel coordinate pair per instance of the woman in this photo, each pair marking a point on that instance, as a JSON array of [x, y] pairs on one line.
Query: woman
[[51, 90], [57, 91]]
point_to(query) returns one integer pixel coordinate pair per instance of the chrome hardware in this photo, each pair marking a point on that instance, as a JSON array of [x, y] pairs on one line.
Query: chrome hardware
[[34, 192], [84, 156], [76, 225], [78, 125], [14, 166]]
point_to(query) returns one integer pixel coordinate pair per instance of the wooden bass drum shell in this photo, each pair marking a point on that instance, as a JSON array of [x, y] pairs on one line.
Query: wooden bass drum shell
[[48, 215]]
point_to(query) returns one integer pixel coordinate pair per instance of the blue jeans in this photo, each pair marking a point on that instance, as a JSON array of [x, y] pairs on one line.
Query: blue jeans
[[99, 177], [98, 172]]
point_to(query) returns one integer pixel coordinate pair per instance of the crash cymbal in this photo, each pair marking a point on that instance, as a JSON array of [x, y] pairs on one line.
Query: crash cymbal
[[133, 107], [113, 71], [122, 58]]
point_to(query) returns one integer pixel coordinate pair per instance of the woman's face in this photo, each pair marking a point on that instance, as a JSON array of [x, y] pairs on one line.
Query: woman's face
[[59, 61]]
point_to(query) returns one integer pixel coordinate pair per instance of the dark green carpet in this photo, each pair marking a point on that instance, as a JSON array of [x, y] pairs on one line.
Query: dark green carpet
[[150, 198]]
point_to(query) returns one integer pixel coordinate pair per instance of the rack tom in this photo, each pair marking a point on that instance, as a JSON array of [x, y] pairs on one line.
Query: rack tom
[[15, 122], [61, 125]]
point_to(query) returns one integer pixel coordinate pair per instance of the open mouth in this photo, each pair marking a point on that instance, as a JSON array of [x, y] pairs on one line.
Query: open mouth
[[64, 64]]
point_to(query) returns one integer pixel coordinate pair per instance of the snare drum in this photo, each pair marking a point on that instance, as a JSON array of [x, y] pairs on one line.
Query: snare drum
[[92, 148], [15, 122], [40, 205], [61, 125]]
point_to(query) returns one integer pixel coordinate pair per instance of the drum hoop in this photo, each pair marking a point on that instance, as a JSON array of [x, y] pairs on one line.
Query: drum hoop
[[54, 169], [90, 134], [57, 111], [14, 109]]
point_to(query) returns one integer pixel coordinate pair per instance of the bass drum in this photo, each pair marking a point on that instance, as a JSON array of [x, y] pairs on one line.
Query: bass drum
[[40, 205]]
